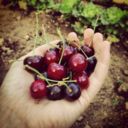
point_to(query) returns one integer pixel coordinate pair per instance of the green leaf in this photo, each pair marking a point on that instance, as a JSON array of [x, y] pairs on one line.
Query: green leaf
[[113, 39], [91, 11], [112, 15], [78, 27], [32, 2], [67, 6]]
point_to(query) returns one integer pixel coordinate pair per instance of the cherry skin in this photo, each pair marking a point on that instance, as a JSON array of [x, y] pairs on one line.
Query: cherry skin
[[38, 89], [74, 92], [56, 71], [55, 92], [88, 50], [51, 56], [77, 63], [68, 52], [91, 64], [34, 62], [82, 79]]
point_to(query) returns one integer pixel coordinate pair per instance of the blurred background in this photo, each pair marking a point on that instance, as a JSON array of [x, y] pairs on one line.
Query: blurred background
[[22, 20]]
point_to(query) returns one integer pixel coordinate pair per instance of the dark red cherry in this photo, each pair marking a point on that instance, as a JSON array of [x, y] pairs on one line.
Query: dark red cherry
[[91, 64], [88, 50], [55, 92], [68, 52], [51, 56], [82, 79], [74, 92], [38, 89], [77, 63], [56, 71], [34, 62]]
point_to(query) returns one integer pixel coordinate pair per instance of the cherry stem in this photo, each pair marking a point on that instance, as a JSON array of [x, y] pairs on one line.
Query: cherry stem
[[37, 35], [90, 57], [81, 50], [96, 22], [47, 79], [70, 75], [63, 41], [68, 87], [60, 83], [46, 39], [51, 85], [39, 74], [66, 78], [43, 78], [70, 81]]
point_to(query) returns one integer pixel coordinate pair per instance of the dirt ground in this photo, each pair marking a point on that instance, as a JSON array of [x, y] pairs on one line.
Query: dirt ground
[[109, 108]]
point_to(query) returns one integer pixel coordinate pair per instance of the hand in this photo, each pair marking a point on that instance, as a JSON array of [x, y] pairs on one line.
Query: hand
[[19, 110]]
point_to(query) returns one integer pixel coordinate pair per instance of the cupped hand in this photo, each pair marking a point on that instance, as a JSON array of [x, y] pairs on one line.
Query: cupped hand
[[19, 110]]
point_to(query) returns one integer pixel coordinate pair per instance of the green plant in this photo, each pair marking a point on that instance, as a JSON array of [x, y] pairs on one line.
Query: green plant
[[91, 10], [107, 20], [112, 15], [66, 6]]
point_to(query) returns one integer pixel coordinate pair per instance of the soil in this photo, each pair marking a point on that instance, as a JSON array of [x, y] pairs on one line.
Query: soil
[[109, 108]]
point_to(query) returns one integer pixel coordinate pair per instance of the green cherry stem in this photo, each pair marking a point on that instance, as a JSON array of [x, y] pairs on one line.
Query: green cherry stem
[[39, 74], [37, 35], [60, 83], [63, 41], [81, 50], [68, 87], [96, 22], [70, 81], [46, 39], [42, 77]]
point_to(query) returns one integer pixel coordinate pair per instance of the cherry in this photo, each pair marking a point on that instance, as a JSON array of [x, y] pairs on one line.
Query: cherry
[[68, 52], [88, 50], [56, 71], [91, 64], [82, 79], [55, 92], [77, 63], [51, 56], [38, 89], [35, 62], [73, 92]]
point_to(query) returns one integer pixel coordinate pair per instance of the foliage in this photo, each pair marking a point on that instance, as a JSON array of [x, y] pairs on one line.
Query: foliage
[[91, 11], [110, 20], [66, 6], [112, 15]]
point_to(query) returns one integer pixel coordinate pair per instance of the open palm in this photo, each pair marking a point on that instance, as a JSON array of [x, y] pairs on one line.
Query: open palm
[[19, 110]]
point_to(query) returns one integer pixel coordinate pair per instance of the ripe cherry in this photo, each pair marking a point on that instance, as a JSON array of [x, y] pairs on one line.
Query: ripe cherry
[[77, 63], [68, 52], [38, 89], [82, 79], [56, 71], [34, 62], [73, 92], [88, 50], [91, 64], [55, 92], [51, 56]]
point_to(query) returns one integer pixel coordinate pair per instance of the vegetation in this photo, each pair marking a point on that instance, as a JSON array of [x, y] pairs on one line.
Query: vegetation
[[108, 20]]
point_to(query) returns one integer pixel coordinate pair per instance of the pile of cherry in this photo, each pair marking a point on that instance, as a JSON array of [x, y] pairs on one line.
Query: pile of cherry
[[62, 72]]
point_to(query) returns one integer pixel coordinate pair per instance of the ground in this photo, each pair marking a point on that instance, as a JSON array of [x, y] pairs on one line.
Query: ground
[[109, 108]]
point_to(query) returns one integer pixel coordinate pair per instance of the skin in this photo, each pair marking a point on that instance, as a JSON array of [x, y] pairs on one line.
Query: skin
[[19, 110]]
